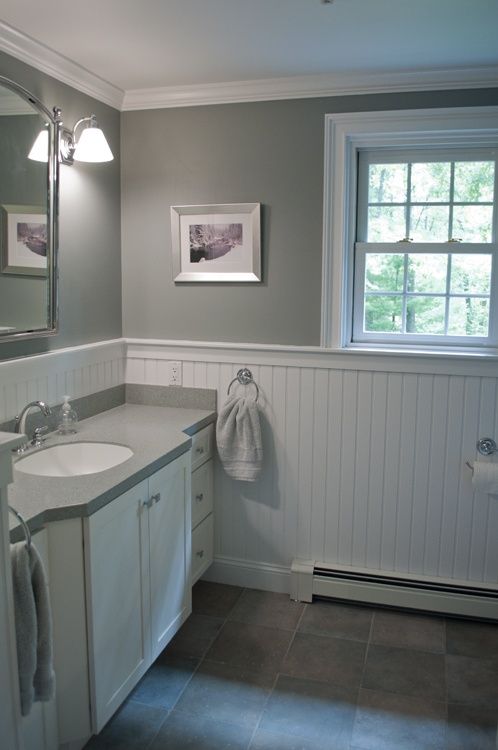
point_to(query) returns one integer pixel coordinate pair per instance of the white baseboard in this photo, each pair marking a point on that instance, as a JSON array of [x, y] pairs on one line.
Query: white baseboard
[[249, 574], [267, 577]]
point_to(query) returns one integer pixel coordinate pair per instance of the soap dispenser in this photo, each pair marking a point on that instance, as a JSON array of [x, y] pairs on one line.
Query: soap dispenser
[[69, 418]]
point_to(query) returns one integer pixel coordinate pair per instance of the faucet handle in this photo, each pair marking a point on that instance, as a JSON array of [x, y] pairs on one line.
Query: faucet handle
[[37, 435]]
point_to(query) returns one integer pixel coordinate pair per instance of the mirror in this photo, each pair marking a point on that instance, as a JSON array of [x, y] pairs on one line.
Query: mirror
[[28, 214]]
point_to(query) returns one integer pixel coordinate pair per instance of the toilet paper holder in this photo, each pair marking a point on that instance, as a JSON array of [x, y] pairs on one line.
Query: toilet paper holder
[[486, 447]]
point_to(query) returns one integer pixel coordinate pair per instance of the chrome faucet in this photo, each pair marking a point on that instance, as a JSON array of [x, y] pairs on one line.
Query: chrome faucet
[[20, 426]]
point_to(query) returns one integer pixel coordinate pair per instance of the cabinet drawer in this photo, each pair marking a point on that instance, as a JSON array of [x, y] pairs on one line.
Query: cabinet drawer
[[202, 492], [202, 446], [202, 547]]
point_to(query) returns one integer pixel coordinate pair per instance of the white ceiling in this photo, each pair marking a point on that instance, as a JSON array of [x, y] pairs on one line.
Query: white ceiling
[[162, 43]]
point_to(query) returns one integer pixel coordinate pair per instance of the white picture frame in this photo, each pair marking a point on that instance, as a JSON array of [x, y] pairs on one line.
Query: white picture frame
[[23, 240], [216, 242]]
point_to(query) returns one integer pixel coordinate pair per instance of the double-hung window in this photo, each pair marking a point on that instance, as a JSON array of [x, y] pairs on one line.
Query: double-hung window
[[425, 251], [411, 230]]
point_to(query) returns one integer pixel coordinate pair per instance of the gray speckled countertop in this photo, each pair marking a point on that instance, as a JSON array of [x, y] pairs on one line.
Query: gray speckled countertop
[[156, 435]]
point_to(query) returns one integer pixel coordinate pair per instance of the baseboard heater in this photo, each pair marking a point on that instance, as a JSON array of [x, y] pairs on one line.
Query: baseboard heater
[[310, 578]]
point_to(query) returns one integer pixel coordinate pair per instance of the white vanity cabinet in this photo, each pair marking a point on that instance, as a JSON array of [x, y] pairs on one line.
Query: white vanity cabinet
[[137, 573], [202, 501]]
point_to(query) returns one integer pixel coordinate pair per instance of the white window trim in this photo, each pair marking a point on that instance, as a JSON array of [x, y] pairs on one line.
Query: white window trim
[[345, 134]]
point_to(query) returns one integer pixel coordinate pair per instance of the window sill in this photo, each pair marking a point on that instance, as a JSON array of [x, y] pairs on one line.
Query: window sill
[[454, 352]]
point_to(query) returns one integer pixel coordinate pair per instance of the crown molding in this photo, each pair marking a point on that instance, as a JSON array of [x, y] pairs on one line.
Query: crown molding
[[41, 57], [24, 48], [300, 87]]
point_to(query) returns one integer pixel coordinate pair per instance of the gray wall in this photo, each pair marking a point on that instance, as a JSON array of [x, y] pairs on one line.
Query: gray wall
[[89, 229], [271, 152]]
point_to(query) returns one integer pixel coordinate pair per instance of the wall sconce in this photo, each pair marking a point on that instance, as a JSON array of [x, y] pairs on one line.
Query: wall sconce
[[90, 146], [39, 149]]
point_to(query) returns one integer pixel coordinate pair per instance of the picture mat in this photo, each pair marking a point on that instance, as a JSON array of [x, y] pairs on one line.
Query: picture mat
[[18, 253], [238, 260]]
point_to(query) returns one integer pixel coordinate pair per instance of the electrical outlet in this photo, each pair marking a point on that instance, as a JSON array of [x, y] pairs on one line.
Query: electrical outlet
[[175, 373]]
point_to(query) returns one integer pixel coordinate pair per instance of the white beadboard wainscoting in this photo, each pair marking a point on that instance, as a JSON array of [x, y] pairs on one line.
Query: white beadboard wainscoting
[[364, 453], [364, 460], [77, 371]]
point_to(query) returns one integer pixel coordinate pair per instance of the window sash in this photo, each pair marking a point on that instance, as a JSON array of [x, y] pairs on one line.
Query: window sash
[[366, 157], [443, 339]]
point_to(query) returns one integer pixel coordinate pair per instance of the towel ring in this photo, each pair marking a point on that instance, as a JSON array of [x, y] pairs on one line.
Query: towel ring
[[25, 527], [244, 377]]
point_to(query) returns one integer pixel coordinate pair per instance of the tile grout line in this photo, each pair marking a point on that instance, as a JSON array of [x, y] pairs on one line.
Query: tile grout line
[[203, 657], [294, 633], [369, 640], [258, 723], [153, 739], [272, 689]]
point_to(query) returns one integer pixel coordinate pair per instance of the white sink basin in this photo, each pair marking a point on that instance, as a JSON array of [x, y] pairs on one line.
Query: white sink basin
[[74, 459]]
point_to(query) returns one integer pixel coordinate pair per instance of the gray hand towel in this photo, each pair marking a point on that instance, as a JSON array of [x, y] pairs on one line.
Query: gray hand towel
[[33, 626], [238, 436]]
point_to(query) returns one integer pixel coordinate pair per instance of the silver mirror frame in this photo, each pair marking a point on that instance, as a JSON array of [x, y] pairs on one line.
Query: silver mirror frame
[[54, 118]]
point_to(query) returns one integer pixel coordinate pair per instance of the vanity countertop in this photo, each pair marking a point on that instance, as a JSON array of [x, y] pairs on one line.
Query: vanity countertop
[[156, 435]]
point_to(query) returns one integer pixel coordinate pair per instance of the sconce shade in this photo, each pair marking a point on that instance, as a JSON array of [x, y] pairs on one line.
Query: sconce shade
[[39, 150], [92, 146]]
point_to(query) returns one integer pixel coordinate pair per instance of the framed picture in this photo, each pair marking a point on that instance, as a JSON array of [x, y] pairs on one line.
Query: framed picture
[[216, 243], [24, 240]]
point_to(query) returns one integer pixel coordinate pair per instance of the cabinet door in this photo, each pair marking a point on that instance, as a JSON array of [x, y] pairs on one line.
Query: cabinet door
[[118, 600], [169, 532]]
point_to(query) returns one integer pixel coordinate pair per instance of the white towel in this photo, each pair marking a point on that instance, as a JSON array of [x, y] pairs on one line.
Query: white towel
[[485, 477], [33, 626], [238, 436]]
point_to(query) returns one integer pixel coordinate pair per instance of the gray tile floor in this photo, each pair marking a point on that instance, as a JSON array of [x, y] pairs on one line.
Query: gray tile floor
[[252, 670]]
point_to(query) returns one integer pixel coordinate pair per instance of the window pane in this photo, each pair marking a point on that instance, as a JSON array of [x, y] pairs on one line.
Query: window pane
[[472, 223], [383, 313], [468, 316], [474, 181], [429, 223], [386, 223], [427, 272], [471, 273], [425, 315], [387, 183], [384, 272], [431, 182]]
